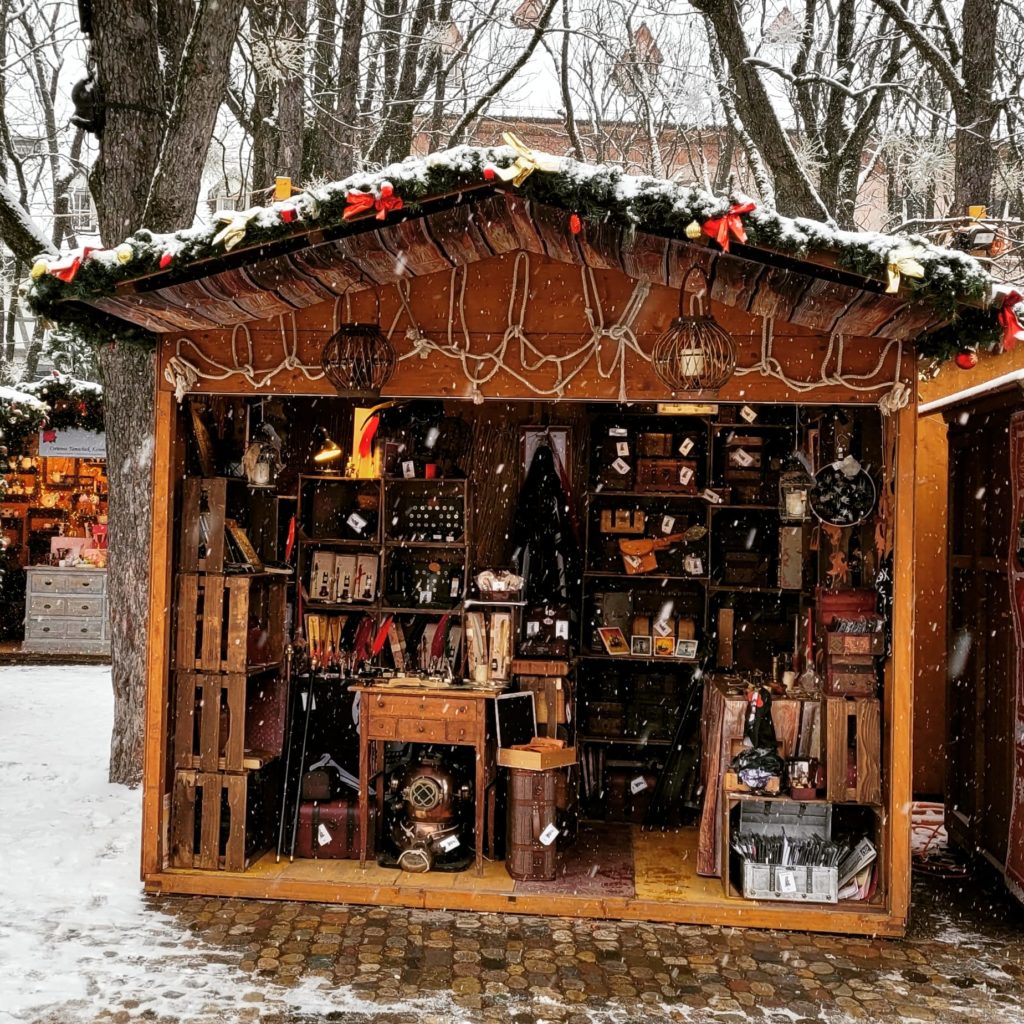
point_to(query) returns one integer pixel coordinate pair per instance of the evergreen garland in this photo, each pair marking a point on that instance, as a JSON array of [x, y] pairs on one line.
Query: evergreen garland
[[594, 193], [58, 402]]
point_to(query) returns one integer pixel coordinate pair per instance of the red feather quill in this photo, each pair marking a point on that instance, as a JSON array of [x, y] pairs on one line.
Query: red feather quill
[[437, 644], [382, 635]]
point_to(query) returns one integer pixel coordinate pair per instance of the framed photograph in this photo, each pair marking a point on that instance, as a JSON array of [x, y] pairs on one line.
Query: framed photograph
[[686, 649], [613, 639], [664, 646], [640, 646]]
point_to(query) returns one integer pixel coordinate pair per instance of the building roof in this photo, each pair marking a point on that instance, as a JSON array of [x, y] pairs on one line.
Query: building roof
[[427, 214]]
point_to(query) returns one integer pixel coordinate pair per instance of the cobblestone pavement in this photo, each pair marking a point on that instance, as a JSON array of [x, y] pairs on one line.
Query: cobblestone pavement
[[963, 961]]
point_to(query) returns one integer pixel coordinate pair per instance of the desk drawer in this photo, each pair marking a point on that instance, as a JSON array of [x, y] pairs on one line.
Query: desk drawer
[[439, 707], [45, 629], [83, 629], [383, 728], [86, 583], [47, 583], [85, 606], [424, 731], [46, 605], [460, 732]]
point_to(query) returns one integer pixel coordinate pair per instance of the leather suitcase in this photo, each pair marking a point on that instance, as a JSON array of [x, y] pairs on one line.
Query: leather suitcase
[[667, 475], [330, 830]]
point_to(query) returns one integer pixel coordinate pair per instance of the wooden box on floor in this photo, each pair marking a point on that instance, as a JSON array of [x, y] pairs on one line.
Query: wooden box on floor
[[228, 722], [229, 623], [853, 725], [220, 820]]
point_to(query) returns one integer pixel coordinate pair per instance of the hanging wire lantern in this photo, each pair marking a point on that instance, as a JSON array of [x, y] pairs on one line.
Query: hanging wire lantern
[[695, 353], [358, 359]]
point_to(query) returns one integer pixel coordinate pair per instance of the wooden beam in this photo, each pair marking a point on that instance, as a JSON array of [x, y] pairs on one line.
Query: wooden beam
[[899, 688], [165, 472]]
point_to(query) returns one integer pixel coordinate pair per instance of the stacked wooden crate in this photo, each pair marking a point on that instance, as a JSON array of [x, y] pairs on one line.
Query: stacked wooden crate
[[230, 694]]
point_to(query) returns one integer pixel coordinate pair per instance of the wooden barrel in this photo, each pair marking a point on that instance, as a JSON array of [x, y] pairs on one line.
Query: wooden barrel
[[531, 809]]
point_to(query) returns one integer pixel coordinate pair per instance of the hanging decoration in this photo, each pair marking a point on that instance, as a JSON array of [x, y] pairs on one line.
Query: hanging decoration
[[693, 230], [695, 354], [384, 202], [526, 161], [903, 262], [1007, 317], [358, 359], [720, 228], [236, 225]]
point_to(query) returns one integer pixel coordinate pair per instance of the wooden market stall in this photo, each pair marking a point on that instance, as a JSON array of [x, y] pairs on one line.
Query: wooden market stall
[[317, 547]]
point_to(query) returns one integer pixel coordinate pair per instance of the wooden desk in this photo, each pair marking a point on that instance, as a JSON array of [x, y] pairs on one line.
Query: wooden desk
[[455, 717]]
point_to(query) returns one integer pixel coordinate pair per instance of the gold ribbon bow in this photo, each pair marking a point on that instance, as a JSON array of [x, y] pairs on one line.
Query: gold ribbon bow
[[236, 223], [526, 162], [903, 262]]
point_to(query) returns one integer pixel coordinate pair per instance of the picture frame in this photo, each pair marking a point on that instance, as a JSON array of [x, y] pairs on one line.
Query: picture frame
[[686, 649], [664, 646], [640, 646], [614, 640], [243, 544]]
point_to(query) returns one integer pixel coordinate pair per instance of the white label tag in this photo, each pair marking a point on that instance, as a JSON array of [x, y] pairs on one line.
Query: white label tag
[[785, 880], [638, 785], [562, 629], [549, 835], [357, 522], [622, 448], [618, 432], [693, 565], [685, 475], [713, 496], [667, 522], [621, 466], [323, 836], [687, 446], [449, 843], [748, 414], [455, 586], [661, 627], [426, 596], [408, 469], [742, 458], [633, 561]]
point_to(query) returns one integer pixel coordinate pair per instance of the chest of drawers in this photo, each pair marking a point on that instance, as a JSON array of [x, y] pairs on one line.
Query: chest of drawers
[[66, 611]]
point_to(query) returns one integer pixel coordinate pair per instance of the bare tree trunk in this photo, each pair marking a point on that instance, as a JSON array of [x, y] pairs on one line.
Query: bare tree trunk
[[347, 104], [128, 374], [976, 114]]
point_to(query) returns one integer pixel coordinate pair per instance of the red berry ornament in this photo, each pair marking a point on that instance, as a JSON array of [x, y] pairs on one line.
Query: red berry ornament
[[165, 260], [289, 214], [967, 360], [489, 174], [575, 224]]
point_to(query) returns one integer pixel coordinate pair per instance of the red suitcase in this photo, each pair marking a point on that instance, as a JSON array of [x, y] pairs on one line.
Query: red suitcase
[[330, 830]]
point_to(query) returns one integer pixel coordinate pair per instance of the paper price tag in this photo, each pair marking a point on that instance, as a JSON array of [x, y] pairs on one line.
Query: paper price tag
[[323, 836], [638, 785], [687, 446], [562, 629], [409, 469], [633, 561], [748, 414], [742, 458], [661, 627], [713, 496], [621, 466], [426, 596], [685, 475], [357, 522], [667, 522], [622, 448], [693, 565], [785, 880], [618, 432], [549, 835], [449, 843]]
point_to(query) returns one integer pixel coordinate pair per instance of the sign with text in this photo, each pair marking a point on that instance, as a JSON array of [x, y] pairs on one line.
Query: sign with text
[[72, 443]]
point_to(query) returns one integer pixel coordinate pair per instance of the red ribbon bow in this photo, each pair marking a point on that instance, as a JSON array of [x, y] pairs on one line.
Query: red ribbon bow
[[719, 228], [361, 202], [66, 268], [1013, 331]]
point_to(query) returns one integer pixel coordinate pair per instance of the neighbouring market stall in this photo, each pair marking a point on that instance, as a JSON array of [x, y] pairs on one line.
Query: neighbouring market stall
[[530, 537], [53, 516]]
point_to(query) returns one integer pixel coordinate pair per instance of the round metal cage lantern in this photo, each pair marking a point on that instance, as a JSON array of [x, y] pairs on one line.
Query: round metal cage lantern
[[695, 353], [358, 359]]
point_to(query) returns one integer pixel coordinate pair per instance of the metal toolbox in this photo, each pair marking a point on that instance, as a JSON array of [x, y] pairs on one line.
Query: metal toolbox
[[802, 883]]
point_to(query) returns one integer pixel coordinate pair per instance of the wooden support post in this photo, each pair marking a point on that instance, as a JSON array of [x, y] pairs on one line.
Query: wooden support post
[[158, 631]]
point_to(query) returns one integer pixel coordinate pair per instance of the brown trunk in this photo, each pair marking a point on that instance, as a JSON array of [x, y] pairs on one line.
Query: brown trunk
[[976, 114], [128, 382]]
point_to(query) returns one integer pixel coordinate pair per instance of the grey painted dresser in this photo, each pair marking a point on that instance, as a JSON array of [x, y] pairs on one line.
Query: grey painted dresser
[[66, 611]]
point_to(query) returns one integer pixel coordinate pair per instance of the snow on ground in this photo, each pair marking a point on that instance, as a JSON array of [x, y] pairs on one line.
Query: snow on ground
[[76, 936]]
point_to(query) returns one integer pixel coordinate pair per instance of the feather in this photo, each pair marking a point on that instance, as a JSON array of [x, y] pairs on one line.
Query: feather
[[366, 440], [382, 635], [361, 642], [437, 644], [290, 543]]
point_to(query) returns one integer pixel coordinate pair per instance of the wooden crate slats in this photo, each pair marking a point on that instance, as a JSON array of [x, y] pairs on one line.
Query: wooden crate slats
[[213, 633], [218, 820], [866, 714], [213, 491]]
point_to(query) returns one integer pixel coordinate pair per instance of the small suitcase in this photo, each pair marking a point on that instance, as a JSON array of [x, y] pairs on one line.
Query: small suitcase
[[532, 854], [330, 830]]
